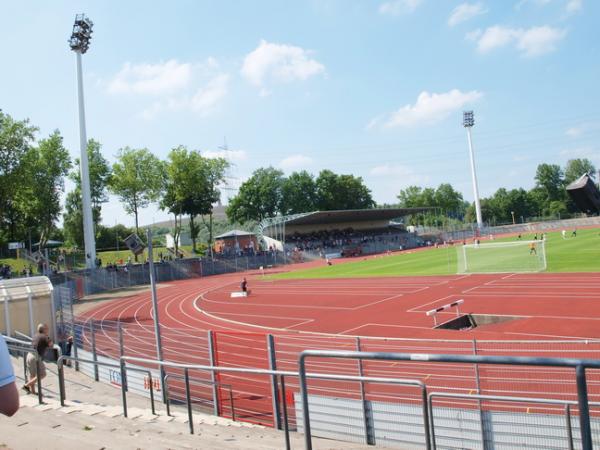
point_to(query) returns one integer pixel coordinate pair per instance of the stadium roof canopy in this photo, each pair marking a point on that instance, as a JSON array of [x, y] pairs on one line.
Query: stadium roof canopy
[[233, 234], [351, 215]]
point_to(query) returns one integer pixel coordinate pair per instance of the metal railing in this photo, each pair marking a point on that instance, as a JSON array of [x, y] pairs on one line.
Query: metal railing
[[578, 364], [500, 398], [96, 364], [187, 382], [280, 374]]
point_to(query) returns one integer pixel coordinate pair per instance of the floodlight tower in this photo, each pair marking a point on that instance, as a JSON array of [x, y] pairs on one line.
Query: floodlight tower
[[468, 123], [80, 43]]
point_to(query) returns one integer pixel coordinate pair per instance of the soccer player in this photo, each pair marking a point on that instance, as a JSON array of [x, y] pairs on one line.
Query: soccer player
[[564, 234], [532, 250]]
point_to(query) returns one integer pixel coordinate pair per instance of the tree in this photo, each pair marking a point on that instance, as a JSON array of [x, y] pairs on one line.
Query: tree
[[47, 166], [410, 197], [112, 237], [99, 174], [298, 193], [214, 174], [259, 197], [73, 219], [191, 187], [575, 168], [549, 178], [16, 139], [137, 180], [444, 200], [448, 199], [341, 192]]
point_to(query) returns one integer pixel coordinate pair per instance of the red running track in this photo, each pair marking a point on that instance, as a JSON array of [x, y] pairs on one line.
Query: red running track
[[388, 314]]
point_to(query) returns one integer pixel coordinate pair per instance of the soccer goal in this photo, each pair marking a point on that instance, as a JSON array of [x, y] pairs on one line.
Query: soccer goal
[[502, 257]]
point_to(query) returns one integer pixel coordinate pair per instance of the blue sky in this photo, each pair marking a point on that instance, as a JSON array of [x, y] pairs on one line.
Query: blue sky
[[371, 88]]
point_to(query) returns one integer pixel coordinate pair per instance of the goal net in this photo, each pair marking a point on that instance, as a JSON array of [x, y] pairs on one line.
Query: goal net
[[502, 257]]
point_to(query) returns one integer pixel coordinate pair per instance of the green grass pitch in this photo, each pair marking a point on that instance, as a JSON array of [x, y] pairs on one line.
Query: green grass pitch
[[573, 254]]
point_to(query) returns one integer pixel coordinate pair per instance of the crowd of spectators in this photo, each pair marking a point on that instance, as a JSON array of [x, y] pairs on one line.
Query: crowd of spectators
[[336, 239], [5, 271], [233, 249]]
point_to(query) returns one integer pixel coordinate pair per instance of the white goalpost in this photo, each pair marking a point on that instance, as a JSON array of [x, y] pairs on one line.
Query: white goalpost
[[502, 257]]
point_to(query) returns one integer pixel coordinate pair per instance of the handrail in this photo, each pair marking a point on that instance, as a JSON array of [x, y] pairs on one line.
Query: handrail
[[16, 341], [23, 335], [197, 382], [501, 398], [25, 348], [280, 374], [61, 378], [579, 364]]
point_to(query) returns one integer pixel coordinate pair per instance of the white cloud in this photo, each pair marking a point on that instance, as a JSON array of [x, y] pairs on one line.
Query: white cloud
[[207, 97], [153, 79], [581, 129], [229, 155], [530, 42], [396, 7], [295, 162], [279, 62], [574, 6], [428, 108], [494, 37], [464, 12], [173, 86], [537, 3], [589, 152], [575, 131], [539, 40], [203, 101]]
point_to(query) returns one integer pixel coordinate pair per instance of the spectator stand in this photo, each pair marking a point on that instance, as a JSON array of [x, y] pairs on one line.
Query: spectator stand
[[310, 236]]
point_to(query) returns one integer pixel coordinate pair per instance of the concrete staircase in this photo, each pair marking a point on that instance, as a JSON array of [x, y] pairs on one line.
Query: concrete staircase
[[93, 418]]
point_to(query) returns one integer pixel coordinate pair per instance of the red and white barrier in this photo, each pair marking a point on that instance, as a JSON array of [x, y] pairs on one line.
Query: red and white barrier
[[435, 311]]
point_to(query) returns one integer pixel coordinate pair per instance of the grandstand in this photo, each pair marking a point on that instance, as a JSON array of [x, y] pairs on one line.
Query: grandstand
[[342, 233]]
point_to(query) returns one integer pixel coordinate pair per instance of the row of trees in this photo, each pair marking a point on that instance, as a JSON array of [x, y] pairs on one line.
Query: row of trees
[[32, 180], [268, 193], [33, 172], [185, 184], [547, 198]]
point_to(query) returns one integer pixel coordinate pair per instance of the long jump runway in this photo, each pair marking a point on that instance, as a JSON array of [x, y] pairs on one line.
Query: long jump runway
[[387, 314]]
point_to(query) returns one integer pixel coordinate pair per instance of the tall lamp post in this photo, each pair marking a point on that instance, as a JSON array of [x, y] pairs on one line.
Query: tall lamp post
[[80, 43], [468, 123]]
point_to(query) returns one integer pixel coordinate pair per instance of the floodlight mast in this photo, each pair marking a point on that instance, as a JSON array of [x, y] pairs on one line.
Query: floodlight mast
[[468, 123], [80, 43]]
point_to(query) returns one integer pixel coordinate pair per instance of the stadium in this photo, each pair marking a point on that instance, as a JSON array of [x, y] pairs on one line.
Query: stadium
[[350, 277]]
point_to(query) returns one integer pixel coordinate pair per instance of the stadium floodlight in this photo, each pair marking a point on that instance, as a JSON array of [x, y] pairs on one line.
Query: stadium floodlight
[[468, 123], [80, 43]]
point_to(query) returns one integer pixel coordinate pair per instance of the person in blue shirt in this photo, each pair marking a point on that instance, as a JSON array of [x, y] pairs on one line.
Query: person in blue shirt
[[9, 395]]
